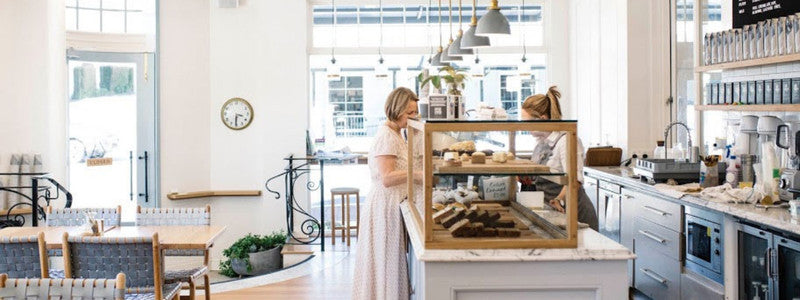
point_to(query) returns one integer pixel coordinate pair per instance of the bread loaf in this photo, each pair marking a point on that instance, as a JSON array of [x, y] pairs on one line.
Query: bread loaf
[[449, 221]]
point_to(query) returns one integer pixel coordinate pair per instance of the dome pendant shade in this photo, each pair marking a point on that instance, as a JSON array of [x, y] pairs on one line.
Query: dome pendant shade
[[446, 58], [471, 41], [455, 48], [436, 60], [493, 23]]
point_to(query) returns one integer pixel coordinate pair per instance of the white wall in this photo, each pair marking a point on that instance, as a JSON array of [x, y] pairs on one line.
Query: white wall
[[33, 75], [209, 55], [620, 71]]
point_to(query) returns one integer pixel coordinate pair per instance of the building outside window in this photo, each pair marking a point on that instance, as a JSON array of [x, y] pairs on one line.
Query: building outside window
[[347, 98]]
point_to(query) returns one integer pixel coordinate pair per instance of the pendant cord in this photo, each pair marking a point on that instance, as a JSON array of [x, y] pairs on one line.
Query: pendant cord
[[440, 25], [522, 28], [474, 12], [450, 19], [460, 13], [428, 26], [380, 46], [333, 17]]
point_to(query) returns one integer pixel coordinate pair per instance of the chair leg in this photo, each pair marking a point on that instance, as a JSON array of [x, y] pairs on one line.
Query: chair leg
[[347, 219], [343, 220], [358, 214], [333, 219], [207, 287], [191, 289]]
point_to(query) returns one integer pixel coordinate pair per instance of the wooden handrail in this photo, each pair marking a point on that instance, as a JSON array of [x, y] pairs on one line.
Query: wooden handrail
[[203, 194], [16, 211]]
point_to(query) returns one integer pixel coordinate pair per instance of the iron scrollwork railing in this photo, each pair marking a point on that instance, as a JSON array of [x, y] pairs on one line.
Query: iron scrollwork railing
[[41, 188], [310, 226]]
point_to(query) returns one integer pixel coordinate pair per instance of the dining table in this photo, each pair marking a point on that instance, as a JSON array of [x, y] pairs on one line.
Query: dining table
[[200, 237]]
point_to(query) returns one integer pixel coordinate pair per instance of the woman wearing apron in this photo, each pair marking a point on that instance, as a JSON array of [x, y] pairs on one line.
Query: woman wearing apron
[[551, 151]]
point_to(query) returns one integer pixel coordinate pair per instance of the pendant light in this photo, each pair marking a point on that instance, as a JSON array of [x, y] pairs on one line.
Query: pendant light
[[470, 40], [493, 23], [381, 70], [436, 60], [524, 68], [477, 69], [455, 49], [333, 70], [445, 56]]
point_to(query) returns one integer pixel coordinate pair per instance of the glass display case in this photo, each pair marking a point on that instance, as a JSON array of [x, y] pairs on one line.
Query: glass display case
[[471, 190]]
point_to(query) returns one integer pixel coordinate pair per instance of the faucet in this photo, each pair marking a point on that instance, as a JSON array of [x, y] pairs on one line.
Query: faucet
[[669, 129]]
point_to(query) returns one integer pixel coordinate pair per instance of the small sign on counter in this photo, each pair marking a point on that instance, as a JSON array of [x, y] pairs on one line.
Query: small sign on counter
[[96, 162]]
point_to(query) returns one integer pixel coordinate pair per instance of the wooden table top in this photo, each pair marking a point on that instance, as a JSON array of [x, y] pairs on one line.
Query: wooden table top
[[170, 237]]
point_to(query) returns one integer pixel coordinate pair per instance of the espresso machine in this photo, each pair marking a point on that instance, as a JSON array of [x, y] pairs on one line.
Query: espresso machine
[[788, 139]]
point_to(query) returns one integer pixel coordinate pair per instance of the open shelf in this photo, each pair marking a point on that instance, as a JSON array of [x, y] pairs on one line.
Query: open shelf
[[750, 63], [512, 167], [204, 194], [755, 107]]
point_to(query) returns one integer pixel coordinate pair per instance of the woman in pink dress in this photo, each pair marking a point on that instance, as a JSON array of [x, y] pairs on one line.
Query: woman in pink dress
[[381, 267]]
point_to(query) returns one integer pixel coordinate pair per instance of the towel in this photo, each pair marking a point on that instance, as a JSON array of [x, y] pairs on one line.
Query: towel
[[678, 191], [727, 194]]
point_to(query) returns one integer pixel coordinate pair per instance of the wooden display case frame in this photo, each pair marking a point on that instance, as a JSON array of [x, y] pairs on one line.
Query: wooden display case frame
[[424, 219]]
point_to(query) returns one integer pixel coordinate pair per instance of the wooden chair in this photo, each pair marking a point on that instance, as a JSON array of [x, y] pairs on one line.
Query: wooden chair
[[344, 193], [37, 288], [24, 257], [139, 258], [181, 217], [77, 216]]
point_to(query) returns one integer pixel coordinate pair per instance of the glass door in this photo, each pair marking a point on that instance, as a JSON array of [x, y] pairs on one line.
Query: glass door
[[788, 268], [112, 130], [754, 281]]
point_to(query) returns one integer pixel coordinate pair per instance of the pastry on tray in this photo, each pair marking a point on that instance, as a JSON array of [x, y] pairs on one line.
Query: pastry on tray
[[478, 158], [452, 219], [452, 163]]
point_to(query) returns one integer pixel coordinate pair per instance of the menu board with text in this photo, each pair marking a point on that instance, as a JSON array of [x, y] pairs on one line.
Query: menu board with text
[[747, 12]]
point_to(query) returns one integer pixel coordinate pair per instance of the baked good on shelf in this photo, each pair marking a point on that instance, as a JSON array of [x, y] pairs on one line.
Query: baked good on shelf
[[452, 219], [499, 157], [508, 232], [438, 206], [478, 158], [465, 157], [510, 156], [471, 215], [450, 155], [488, 232], [452, 162], [439, 216], [464, 146], [461, 229], [504, 223]]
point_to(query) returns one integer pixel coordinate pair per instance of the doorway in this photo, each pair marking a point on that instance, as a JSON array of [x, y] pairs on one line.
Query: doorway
[[113, 159]]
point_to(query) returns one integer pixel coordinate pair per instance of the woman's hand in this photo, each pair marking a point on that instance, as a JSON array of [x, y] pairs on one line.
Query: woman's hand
[[556, 204]]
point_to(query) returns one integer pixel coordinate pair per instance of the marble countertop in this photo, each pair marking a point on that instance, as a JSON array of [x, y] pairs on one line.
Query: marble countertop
[[592, 246], [778, 218]]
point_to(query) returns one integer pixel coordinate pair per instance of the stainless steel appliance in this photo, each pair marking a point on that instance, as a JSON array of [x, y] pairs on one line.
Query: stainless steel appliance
[[609, 208], [660, 170], [704, 243], [769, 264], [788, 138]]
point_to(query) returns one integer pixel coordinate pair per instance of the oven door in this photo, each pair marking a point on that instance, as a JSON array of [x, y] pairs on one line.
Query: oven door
[[703, 243]]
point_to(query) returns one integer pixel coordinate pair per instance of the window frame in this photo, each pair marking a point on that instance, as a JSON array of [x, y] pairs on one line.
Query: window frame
[[78, 8]]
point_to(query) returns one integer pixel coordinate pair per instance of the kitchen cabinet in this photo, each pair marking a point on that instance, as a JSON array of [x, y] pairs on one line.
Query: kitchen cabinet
[[592, 189], [768, 264], [610, 207]]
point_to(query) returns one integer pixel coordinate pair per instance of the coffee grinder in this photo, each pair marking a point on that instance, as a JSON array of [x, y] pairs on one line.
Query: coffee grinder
[[788, 138]]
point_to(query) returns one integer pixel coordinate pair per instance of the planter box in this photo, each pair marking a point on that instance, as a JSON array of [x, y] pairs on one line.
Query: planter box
[[263, 262]]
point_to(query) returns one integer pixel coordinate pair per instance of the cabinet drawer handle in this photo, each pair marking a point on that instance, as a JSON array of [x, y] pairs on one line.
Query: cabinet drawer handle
[[653, 236], [656, 211], [654, 276]]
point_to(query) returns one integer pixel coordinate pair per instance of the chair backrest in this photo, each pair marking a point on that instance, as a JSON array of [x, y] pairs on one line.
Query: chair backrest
[[101, 257], [173, 216], [36, 288], [24, 257], [77, 216]]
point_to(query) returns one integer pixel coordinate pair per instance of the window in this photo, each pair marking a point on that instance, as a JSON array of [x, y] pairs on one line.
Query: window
[[347, 97], [511, 87], [110, 16]]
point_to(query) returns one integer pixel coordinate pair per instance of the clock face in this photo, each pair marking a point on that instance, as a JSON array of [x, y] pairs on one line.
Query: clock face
[[237, 113]]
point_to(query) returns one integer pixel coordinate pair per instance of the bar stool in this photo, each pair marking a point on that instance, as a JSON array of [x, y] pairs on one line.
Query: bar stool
[[344, 193]]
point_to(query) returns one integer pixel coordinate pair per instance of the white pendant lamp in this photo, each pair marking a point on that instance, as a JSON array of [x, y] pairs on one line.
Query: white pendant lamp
[[333, 71], [493, 23], [469, 40], [477, 69], [445, 57], [436, 60], [381, 70], [455, 49]]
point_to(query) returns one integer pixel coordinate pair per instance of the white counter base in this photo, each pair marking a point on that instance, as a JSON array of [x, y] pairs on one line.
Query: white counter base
[[597, 269]]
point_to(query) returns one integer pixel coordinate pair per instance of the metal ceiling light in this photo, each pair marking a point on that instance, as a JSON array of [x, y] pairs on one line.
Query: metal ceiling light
[[477, 69], [445, 56], [470, 40], [381, 70], [524, 68], [333, 70], [455, 49], [493, 23], [436, 60]]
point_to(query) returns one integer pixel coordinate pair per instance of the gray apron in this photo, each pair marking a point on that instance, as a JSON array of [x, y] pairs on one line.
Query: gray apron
[[586, 211]]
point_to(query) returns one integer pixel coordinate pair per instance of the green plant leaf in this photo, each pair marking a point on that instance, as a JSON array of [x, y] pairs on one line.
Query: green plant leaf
[[250, 243], [437, 82]]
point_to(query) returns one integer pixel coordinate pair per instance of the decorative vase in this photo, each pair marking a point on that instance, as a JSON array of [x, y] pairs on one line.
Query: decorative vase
[[262, 262]]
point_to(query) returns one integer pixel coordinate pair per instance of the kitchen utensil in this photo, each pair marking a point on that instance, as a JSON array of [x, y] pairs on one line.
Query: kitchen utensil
[[768, 125], [749, 124], [694, 154], [748, 171]]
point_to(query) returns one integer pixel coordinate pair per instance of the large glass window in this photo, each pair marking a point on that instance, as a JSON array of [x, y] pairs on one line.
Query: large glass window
[[347, 98], [110, 16]]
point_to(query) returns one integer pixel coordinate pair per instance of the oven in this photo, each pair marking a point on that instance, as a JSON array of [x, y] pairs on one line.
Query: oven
[[704, 242]]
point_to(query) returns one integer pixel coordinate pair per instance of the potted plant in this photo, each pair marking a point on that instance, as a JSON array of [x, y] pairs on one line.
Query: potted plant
[[254, 255], [454, 80]]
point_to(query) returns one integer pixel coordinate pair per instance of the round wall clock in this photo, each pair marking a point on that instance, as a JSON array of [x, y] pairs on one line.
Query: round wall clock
[[236, 113]]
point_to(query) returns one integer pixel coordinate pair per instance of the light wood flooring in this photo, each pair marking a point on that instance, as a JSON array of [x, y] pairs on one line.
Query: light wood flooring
[[331, 283]]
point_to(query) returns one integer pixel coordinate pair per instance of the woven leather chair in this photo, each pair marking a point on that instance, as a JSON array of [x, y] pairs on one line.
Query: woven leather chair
[[181, 217], [77, 216], [24, 257], [101, 257], [65, 289]]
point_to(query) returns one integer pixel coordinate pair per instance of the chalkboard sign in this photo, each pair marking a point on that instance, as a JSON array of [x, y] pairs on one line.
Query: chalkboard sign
[[747, 12]]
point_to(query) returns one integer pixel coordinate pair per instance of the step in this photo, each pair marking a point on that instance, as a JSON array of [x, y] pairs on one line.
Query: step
[[297, 249]]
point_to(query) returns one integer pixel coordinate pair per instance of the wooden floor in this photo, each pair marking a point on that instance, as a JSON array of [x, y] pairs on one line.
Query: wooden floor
[[332, 283]]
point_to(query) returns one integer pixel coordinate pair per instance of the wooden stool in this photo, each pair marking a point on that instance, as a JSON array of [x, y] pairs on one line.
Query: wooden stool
[[344, 193]]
